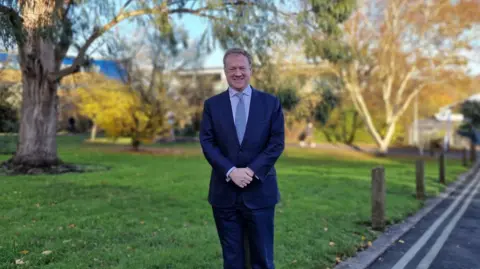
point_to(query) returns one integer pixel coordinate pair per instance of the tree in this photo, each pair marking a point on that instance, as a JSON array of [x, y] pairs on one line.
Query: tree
[[189, 98], [395, 50], [123, 112], [339, 120], [10, 100], [137, 108], [8, 109], [43, 31], [471, 111]]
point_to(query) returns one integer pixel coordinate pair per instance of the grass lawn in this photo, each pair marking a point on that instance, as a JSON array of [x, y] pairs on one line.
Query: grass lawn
[[150, 211]]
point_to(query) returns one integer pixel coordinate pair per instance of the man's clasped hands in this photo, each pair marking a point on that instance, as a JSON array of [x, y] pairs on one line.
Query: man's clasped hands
[[242, 176]]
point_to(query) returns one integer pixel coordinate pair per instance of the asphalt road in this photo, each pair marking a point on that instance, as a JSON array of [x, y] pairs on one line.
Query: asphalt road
[[446, 238]]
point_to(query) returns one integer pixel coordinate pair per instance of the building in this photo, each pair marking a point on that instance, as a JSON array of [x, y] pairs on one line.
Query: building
[[442, 125], [109, 68]]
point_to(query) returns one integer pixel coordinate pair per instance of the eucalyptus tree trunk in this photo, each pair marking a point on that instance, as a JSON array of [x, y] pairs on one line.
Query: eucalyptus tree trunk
[[37, 134]]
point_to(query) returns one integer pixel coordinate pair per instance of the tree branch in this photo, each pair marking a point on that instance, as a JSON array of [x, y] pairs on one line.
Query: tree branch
[[8, 11], [403, 86], [362, 108], [387, 92], [15, 19], [79, 60], [409, 99]]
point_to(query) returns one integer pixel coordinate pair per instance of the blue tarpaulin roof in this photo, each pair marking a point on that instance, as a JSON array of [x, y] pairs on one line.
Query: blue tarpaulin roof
[[109, 68]]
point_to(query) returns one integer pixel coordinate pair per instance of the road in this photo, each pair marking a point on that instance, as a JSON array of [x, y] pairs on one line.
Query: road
[[446, 238]]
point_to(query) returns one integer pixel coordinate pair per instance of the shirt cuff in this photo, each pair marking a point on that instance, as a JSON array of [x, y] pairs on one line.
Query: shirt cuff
[[228, 173]]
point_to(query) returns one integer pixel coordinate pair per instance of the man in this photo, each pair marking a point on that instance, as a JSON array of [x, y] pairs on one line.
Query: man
[[242, 136]]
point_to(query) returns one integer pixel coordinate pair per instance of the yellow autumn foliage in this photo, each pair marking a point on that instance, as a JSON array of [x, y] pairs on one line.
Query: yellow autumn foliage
[[121, 112]]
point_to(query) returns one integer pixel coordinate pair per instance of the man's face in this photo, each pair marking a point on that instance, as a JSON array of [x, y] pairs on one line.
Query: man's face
[[237, 71]]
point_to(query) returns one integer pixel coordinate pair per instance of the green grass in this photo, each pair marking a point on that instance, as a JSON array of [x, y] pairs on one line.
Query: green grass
[[150, 211]]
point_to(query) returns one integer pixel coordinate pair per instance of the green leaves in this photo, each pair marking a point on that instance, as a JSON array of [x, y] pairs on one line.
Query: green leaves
[[471, 111], [288, 98], [321, 32]]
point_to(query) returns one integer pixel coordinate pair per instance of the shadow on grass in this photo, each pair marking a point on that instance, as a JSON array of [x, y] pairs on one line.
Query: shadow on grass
[[8, 169]]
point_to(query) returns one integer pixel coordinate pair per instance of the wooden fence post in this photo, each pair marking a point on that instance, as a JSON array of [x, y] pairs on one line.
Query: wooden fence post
[[464, 157], [378, 198], [441, 166], [473, 153], [420, 176]]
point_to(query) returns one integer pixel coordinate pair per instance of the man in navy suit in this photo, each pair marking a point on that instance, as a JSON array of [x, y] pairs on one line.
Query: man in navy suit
[[242, 136]]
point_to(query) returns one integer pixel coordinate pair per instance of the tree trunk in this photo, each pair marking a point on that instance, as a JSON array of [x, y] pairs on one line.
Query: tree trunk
[[37, 145], [93, 132], [382, 149], [355, 126], [135, 144]]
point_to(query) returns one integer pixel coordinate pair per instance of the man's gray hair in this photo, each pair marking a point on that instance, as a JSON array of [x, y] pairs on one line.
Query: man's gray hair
[[238, 51]]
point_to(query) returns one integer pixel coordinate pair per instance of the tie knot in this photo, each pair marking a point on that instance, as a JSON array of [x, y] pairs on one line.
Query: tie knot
[[240, 95]]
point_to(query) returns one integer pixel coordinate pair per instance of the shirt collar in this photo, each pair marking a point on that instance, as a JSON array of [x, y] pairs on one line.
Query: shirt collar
[[247, 91]]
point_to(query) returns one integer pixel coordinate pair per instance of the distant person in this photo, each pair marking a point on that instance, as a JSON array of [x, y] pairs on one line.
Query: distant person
[[306, 137], [242, 136]]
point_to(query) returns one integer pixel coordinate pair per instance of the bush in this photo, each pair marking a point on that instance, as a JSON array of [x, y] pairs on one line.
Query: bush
[[8, 119], [8, 125], [288, 98]]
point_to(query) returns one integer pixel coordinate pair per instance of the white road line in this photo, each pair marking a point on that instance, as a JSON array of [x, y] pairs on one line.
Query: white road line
[[428, 259], [426, 236]]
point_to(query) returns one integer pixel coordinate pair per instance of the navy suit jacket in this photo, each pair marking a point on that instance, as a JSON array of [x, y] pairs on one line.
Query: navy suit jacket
[[262, 145]]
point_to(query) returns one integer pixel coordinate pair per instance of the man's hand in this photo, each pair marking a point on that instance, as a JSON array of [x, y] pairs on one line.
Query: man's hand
[[241, 176], [250, 172]]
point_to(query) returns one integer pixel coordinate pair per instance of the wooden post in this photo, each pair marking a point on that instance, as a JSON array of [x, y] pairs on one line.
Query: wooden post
[[378, 198], [464, 157], [473, 153], [420, 175], [441, 166]]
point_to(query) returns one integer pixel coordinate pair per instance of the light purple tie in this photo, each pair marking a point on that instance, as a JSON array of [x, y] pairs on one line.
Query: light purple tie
[[240, 117]]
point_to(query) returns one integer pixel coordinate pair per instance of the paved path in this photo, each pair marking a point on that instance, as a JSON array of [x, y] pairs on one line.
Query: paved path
[[447, 238]]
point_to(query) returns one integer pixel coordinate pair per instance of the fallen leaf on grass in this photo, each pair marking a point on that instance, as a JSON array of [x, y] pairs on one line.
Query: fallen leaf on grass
[[294, 261], [47, 252], [363, 238], [19, 261], [37, 205], [325, 229], [331, 244], [142, 222], [24, 252], [71, 225]]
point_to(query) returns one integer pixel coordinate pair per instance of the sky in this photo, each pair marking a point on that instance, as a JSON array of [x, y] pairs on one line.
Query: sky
[[196, 27]]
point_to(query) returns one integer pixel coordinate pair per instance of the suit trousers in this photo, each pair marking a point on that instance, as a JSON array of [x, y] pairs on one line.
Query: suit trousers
[[231, 225]]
